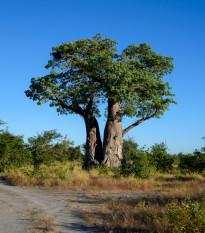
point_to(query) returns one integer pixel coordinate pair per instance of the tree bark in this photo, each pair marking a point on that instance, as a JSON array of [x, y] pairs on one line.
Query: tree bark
[[94, 152], [113, 139]]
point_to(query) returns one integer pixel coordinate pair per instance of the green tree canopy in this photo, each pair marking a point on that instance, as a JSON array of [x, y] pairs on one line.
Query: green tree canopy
[[91, 69]]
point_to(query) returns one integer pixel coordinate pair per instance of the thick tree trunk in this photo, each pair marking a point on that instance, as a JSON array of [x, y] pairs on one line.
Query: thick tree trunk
[[94, 152], [113, 139]]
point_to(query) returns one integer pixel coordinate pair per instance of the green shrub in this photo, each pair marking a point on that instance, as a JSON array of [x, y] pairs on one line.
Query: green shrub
[[50, 146], [42, 148], [74, 153], [188, 216], [12, 151], [135, 161], [160, 157], [199, 156], [192, 162]]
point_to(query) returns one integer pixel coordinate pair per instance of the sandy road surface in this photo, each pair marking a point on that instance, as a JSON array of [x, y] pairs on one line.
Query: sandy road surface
[[14, 210], [17, 202], [63, 206]]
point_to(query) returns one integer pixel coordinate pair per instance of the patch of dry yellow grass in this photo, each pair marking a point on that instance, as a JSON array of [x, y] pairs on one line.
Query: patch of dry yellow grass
[[42, 223], [71, 176]]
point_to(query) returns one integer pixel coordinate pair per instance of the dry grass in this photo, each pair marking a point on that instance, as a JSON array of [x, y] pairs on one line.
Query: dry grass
[[42, 223], [70, 176], [150, 214]]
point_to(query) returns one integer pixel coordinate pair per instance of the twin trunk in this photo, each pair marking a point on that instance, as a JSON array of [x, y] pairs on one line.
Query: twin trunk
[[111, 152]]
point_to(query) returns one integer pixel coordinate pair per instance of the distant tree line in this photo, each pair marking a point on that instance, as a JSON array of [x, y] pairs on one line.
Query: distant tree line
[[141, 162]]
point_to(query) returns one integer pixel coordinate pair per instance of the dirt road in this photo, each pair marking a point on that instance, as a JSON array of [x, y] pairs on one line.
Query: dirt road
[[17, 205]]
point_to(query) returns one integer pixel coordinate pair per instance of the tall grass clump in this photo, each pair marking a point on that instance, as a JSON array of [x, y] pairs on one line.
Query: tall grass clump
[[54, 175]]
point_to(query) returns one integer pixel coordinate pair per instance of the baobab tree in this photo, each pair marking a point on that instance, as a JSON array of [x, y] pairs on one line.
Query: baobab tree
[[89, 72]]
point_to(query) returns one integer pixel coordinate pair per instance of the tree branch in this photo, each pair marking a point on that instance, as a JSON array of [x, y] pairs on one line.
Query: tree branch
[[137, 123], [78, 110], [90, 104]]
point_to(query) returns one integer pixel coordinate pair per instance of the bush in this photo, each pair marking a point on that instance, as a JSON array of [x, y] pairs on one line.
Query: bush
[[199, 156], [12, 152], [188, 216], [49, 146], [192, 162], [160, 158], [74, 153], [135, 161], [64, 151], [41, 147], [186, 162]]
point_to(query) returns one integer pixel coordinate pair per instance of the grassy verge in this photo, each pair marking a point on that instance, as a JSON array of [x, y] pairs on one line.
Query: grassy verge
[[164, 213], [71, 176]]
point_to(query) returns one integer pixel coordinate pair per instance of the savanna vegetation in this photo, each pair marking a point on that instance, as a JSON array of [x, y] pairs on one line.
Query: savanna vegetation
[[50, 160], [85, 74]]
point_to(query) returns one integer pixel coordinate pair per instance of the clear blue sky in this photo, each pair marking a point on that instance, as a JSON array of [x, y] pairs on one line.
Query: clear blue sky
[[174, 28]]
